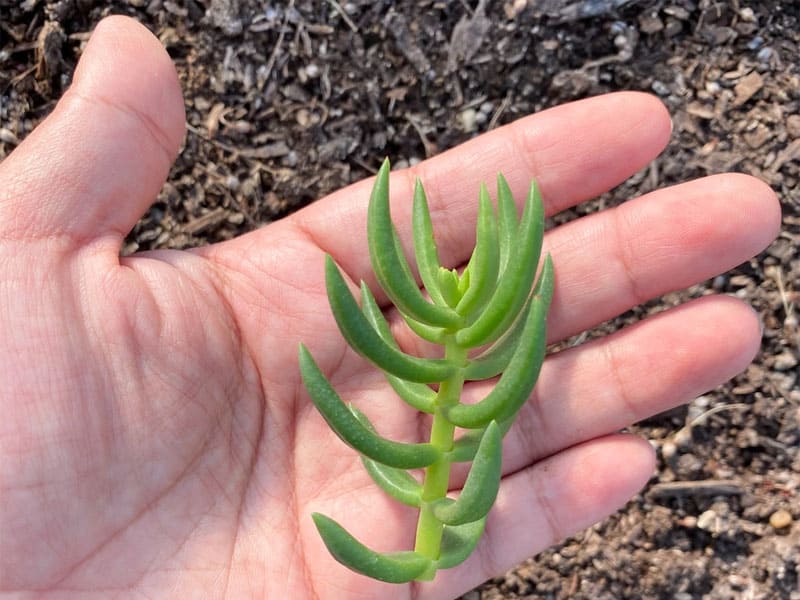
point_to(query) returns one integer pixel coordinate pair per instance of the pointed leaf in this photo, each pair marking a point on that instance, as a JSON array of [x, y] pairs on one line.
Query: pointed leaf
[[495, 359], [458, 542], [424, 245], [389, 262], [426, 332], [349, 428], [485, 260], [418, 395], [507, 220], [393, 567], [463, 280], [513, 287], [480, 489], [362, 336], [517, 381], [396, 482], [449, 285], [466, 446]]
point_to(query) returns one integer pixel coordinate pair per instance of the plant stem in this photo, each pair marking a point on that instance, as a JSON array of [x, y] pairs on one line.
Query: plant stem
[[437, 476]]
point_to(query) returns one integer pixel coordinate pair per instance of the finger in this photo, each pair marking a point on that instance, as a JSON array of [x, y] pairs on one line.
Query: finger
[[546, 502], [96, 163], [575, 151], [608, 262], [607, 384]]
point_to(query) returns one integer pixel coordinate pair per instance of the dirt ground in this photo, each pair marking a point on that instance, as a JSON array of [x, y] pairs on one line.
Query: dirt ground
[[289, 100]]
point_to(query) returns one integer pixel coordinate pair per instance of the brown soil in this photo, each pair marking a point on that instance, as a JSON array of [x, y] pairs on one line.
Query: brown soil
[[287, 101]]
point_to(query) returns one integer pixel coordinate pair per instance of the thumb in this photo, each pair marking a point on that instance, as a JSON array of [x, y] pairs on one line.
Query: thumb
[[97, 162]]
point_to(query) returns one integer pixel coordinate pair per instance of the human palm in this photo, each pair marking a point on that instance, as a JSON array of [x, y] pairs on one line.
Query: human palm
[[155, 436]]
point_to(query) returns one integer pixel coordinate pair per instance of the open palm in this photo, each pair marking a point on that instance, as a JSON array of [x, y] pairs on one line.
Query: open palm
[[155, 437]]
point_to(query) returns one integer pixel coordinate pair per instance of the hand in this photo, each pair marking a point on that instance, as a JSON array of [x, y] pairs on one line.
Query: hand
[[155, 435]]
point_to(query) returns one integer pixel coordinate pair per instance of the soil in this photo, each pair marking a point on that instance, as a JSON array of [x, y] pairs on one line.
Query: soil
[[287, 101]]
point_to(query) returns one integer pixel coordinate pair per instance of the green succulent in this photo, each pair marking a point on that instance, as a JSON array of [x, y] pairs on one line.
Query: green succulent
[[491, 321]]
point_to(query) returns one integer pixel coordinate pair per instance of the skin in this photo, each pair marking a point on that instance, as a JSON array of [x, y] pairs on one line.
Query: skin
[[155, 436]]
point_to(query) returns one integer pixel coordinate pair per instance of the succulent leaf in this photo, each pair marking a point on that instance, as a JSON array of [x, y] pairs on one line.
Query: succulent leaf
[[396, 482], [458, 542], [392, 567], [449, 285], [436, 335], [424, 245], [485, 261], [508, 224], [390, 265], [351, 429], [513, 286], [418, 395], [480, 489], [495, 359], [361, 335], [466, 446]]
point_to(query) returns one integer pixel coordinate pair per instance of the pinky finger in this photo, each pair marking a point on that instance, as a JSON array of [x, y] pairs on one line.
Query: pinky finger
[[548, 501]]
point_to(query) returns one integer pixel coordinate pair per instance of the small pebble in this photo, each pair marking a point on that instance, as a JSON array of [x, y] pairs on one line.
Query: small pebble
[[668, 450], [683, 437], [765, 54], [303, 117], [708, 521], [785, 361], [689, 521], [312, 70], [660, 88], [468, 118], [747, 15], [232, 182], [290, 160], [755, 43], [780, 519]]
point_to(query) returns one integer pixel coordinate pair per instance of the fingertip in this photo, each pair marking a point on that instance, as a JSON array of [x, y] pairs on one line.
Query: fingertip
[[123, 57], [749, 209], [745, 328], [659, 121], [612, 470], [763, 205]]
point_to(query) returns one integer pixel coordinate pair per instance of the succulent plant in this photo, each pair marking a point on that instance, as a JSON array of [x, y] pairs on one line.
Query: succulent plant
[[490, 319]]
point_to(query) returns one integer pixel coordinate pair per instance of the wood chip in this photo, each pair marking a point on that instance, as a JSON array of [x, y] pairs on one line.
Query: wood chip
[[213, 117], [758, 136], [273, 150], [706, 487], [747, 88], [699, 110], [209, 219], [790, 153]]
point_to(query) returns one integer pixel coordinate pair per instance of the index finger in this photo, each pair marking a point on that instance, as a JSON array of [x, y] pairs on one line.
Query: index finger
[[575, 151]]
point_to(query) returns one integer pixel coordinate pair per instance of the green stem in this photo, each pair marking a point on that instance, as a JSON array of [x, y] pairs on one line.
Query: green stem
[[437, 476]]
